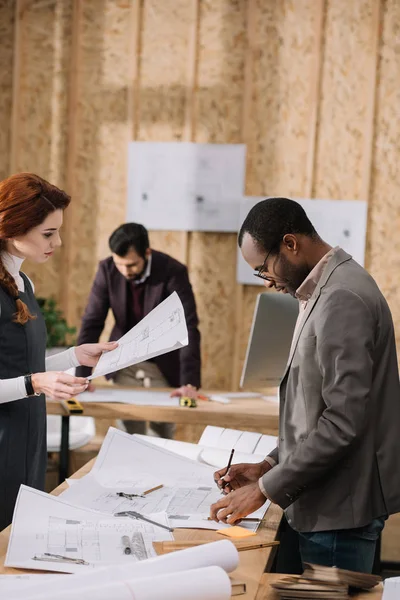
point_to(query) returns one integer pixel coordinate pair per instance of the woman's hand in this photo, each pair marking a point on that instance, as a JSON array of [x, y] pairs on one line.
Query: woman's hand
[[58, 385], [88, 354]]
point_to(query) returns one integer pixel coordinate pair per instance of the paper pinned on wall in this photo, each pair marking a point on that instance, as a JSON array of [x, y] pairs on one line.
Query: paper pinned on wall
[[339, 223], [185, 186], [161, 331]]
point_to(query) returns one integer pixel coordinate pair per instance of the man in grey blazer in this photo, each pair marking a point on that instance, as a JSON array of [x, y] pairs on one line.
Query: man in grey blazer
[[335, 470]]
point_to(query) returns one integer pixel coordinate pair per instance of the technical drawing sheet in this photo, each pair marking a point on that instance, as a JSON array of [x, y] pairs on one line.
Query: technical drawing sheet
[[60, 529], [161, 331], [188, 486], [222, 554], [133, 455]]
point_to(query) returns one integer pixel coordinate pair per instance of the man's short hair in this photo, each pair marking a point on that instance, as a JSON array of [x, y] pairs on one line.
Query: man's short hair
[[129, 236], [271, 219]]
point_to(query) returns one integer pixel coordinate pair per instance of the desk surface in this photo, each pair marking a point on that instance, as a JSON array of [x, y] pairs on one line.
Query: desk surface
[[252, 562], [238, 414], [265, 592]]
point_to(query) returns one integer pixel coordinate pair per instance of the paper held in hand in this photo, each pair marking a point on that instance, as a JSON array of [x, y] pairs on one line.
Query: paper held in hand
[[161, 331]]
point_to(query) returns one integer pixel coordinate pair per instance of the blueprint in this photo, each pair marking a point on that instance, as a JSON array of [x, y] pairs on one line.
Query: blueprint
[[188, 485], [62, 529], [161, 331]]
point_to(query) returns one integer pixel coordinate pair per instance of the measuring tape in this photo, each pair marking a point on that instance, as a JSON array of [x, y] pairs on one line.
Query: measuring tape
[[186, 401], [73, 407]]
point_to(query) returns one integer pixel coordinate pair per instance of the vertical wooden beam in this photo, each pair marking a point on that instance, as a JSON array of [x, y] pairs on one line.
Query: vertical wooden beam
[[188, 133], [247, 96], [192, 71], [135, 51], [73, 119], [315, 95], [20, 8], [370, 114]]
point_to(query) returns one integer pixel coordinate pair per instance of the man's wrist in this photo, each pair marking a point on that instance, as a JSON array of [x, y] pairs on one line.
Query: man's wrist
[[262, 488]]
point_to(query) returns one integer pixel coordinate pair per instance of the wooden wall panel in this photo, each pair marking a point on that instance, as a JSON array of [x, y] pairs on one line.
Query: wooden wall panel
[[200, 65], [7, 13], [383, 250], [39, 126], [166, 44], [345, 95], [173, 242], [284, 46], [98, 152], [217, 118], [282, 87]]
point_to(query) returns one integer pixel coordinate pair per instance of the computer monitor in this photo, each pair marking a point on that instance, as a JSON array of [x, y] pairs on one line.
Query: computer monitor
[[274, 319]]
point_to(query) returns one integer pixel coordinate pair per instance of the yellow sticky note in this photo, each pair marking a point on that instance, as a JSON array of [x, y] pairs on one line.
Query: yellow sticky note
[[236, 532]]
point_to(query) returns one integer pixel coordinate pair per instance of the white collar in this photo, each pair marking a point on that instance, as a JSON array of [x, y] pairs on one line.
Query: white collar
[[12, 263], [147, 272]]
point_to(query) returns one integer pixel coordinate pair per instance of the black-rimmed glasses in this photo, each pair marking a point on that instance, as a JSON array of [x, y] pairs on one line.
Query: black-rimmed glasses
[[260, 273]]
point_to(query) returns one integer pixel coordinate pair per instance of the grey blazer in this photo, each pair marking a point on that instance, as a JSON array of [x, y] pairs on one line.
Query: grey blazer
[[339, 434]]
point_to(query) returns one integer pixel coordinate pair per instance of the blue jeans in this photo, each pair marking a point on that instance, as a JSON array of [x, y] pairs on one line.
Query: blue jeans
[[352, 549]]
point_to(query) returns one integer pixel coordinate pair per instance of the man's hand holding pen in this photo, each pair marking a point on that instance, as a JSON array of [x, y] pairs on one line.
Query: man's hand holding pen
[[239, 484]]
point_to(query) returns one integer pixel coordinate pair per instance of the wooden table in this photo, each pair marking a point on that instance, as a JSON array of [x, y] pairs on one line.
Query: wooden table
[[246, 413], [265, 592], [252, 562]]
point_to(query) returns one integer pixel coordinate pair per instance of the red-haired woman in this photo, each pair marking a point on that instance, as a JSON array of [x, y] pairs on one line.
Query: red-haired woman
[[31, 214]]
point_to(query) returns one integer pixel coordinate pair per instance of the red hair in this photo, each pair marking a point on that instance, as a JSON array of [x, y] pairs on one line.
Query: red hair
[[26, 200]]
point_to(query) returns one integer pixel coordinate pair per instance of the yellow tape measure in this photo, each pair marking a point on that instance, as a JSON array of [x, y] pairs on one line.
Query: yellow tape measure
[[73, 407], [186, 401]]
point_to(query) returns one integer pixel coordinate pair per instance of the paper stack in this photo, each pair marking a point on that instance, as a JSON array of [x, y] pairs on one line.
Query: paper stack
[[323, 582]]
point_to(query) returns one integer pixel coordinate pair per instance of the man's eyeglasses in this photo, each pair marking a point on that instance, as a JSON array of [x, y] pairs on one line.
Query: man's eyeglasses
[[260, 272]]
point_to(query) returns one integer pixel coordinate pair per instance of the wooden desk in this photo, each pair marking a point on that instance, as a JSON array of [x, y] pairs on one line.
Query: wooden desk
[[239, 414], [252, 562], [265, 592], [246, 413]]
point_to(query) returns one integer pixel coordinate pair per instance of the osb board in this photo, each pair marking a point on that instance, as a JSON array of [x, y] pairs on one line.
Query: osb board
[[213, 273], [7, 11], [41, 95], [217, 119], [349, 57], [173, 243], [167, 29], [165, 43], [220, 71], [101, 129], [383, 249], [283, 61]]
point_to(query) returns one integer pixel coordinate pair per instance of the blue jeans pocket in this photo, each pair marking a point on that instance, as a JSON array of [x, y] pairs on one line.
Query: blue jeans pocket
[[370, 531]]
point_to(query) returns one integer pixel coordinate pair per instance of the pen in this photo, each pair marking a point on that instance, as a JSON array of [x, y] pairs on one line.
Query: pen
[[228, 467], [126, 544]]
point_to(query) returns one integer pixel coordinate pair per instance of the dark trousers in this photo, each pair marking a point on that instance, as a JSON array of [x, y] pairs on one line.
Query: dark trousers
[[352, 549]]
